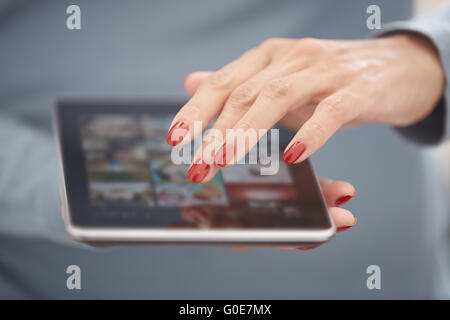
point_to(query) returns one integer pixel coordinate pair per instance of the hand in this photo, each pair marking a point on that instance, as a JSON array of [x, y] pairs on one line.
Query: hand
[[336, 193], [313, 86]]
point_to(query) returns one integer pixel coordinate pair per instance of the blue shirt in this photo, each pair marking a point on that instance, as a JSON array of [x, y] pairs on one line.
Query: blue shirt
[[147, 47]]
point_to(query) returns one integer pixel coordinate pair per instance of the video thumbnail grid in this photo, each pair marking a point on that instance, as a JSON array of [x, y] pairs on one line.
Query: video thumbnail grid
[[128, 164]]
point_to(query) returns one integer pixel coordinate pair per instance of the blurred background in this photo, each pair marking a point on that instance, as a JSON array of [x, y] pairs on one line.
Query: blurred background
[[424, 6], [441, 157], [146, 48]]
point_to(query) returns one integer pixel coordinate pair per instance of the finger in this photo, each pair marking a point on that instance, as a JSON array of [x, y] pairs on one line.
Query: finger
[[194, 80], [243, 97], [205, 166], [237, 105], [234, 109], [277, 98], [260, 247], [202, 168], [328, 117], [336, 193], [308, 248], [342, 218], [210, 96]]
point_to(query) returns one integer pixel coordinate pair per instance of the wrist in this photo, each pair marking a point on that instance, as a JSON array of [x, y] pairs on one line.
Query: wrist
[[421, 54], [426, 52]]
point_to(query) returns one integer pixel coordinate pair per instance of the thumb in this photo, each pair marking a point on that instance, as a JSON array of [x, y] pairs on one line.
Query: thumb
[[194, 80]]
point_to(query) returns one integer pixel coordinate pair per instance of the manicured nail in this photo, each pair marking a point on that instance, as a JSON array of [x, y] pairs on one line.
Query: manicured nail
[[308, 248], [294, 152], [224, 155], [177, 133], [340, 229], [198, 171], [343, 199]]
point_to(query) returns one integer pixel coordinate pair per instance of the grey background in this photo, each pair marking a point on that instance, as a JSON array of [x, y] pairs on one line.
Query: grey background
[[147, 47]]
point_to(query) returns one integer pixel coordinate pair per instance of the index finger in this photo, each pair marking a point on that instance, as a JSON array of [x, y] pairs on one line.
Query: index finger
[[210, 97]]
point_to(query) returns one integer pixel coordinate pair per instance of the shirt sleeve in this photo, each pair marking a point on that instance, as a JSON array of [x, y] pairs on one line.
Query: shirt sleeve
[[29, 198], [436, 27]]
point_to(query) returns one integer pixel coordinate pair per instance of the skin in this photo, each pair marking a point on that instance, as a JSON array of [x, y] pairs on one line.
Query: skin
[[315, 87], [332, 191]]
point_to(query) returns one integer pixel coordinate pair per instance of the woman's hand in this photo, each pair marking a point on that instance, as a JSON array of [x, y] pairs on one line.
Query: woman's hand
[[310, 85]]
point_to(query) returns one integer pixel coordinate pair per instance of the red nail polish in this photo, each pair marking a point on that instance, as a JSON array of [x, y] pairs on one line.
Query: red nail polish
[[343, 228], [294, 152], [224, 155], [308, 248], [198, 171], [177, 133], [343, 200]]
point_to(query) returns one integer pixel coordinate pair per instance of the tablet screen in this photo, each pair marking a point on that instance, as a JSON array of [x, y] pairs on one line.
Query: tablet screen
[[128, 164], [127, 176]]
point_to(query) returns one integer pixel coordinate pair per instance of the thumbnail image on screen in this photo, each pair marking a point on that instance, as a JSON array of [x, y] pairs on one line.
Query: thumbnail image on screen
[[128, 164]]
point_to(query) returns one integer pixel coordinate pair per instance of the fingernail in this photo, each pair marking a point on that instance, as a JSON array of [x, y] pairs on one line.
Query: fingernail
[[294, 152], [224, 155], [177, 133], [340, 229], [308, 248], [198, 171], [343, 200]]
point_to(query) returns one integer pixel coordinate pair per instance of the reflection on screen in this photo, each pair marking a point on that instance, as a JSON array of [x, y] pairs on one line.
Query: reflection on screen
[[128, 165]]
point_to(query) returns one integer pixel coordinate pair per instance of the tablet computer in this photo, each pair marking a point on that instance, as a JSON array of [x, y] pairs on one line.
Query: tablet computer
[[120, 185]]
